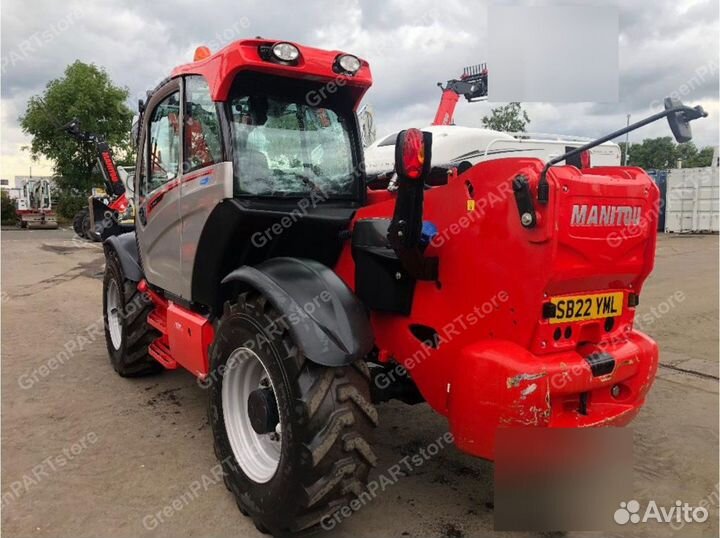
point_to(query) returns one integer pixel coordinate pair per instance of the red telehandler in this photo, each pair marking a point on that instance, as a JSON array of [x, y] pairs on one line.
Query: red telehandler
[[264, 265], [109, 211], [472, 84]]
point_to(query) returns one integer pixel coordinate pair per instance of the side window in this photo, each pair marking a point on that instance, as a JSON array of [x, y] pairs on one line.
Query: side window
[[164, 139], [202, 128]]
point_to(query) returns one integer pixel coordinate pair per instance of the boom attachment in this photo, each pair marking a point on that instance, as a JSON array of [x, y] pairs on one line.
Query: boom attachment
[[108, 167], [472, 84]]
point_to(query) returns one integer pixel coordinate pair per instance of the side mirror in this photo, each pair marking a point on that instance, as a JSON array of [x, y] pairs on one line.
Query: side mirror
[[135, 133], [679, 124], [679, 120]]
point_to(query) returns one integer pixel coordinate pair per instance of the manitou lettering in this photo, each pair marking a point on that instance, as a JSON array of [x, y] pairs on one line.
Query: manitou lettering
[[110, 166], [605, 215]]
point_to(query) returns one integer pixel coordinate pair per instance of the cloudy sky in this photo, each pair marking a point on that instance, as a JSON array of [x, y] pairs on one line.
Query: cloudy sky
[[665, 46]]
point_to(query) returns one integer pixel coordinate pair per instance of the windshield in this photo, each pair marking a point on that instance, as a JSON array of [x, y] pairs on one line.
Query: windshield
[[286, 147]]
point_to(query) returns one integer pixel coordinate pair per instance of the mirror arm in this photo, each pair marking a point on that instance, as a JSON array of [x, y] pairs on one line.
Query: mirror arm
[[543, 187]]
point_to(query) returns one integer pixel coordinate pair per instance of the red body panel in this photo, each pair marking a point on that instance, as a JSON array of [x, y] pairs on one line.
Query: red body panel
[[495, 276], [189, 338], [185, 336], [119, 204]]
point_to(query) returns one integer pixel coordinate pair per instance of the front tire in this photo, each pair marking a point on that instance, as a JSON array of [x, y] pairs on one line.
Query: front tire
[[125, 311], [78, 226], [317, 457]]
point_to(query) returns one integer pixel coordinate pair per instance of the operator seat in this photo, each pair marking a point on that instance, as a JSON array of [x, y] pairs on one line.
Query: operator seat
[[252, 172]]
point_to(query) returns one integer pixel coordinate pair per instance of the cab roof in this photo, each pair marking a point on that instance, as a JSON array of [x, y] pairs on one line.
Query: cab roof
[[220, 68]]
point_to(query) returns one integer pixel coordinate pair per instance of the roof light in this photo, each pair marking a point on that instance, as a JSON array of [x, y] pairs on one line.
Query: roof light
[[412, 145], [348, 63], [285, 52], [201, 53]]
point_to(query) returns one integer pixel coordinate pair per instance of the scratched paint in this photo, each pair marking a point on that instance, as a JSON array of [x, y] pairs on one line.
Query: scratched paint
[[516, 380]]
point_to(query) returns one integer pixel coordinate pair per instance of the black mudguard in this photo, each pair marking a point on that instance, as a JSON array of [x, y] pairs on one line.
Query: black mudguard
[[126, 247], [327, 321]]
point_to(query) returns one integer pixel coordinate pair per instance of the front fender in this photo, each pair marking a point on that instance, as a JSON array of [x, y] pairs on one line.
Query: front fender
[[126, 247], [327, 321]]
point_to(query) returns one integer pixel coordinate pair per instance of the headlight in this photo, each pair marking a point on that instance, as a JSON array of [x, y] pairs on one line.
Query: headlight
[[285, 52], [348, 63]]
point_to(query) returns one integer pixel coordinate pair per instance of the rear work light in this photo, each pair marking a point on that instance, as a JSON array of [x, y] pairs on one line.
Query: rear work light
[[347, 63], [412, 145]]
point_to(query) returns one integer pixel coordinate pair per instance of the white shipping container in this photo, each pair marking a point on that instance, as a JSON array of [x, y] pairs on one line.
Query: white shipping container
[[693, 200]]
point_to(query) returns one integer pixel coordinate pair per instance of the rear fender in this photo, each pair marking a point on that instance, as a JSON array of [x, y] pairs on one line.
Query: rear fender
[[327, 321]]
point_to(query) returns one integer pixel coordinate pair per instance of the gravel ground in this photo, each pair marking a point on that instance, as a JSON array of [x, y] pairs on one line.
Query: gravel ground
[[110, 454]]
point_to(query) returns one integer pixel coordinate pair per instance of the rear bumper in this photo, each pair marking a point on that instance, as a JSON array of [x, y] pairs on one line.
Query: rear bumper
[[500, 384]]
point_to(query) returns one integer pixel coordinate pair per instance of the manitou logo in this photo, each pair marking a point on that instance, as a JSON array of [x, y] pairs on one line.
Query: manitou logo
[[605, 215]]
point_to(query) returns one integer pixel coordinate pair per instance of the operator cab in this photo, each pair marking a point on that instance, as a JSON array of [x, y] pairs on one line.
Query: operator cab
[[241, 155]]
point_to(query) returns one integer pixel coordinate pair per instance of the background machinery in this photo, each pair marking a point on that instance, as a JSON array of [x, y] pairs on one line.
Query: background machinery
[[464, 146], [472, 84], [109, 210], [34, 205]]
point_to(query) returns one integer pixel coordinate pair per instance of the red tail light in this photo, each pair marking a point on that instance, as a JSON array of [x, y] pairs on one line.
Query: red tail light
[[585, 159], [413, 153]]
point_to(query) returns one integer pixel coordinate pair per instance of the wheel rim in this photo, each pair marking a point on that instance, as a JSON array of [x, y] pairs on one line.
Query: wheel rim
[[113, 314], [257, 454]]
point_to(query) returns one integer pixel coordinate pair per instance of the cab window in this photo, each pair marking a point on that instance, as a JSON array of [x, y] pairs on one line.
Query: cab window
[[202, 128], [285, 147], [164, 142]]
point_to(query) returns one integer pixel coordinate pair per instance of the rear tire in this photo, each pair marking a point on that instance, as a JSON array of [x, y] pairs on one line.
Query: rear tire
[[125, 311], [325, 425]]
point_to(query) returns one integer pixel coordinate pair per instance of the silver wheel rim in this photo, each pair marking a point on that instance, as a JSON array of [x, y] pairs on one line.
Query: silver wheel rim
[[113, 314], [257, 454]]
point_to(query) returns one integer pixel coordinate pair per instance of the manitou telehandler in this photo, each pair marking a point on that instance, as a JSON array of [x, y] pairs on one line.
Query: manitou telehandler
[[264, 264], [109, 210]]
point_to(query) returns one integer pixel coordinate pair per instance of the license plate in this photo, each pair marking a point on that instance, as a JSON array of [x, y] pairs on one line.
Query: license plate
[[585, 307]]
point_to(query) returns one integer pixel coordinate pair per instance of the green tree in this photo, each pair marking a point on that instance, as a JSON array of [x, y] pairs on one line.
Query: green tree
[[701, 159], [510, 118], [7, 208], [86, 92], [688, 155], [653, 153], [662, 153]]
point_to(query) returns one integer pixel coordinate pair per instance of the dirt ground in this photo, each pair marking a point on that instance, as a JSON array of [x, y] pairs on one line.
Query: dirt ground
[[87, 453]]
